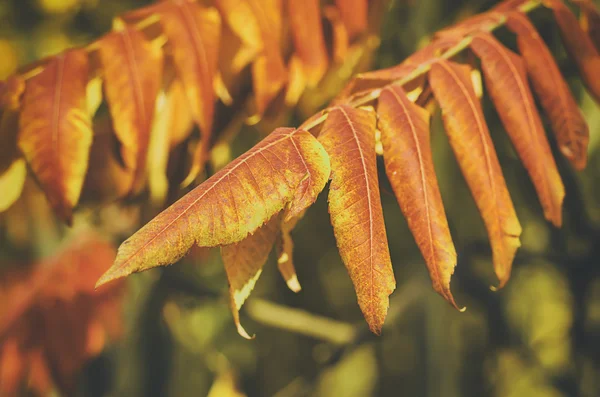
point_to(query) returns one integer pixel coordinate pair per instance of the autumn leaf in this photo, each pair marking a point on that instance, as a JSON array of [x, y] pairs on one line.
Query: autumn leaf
[[55, 129], [568, 124], [506, 81], [341, 41], [590, 20], [287, 170], [579, 45], [243, 265], [309, 42], [355, 15], [132, 69], [409, 166], [285, 253], [348, 136], [194, 37], [470, 140]]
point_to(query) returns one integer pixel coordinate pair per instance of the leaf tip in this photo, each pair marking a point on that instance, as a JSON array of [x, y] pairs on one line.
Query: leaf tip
[[294, 284], [111, 274]]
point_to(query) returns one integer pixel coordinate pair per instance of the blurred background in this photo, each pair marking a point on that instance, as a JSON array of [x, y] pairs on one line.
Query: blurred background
[[169, 331]]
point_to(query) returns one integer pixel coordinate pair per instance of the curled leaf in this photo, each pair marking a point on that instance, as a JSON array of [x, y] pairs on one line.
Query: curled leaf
[[506, 81], [285, 249], [286, 170], [348, 135], [409, 166], [470, 140], [132, 68], [568, 123], [243, 265], [55, 129]]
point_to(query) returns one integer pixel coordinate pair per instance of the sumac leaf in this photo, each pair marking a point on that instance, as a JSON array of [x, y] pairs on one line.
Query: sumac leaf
[[470, 140], [579, 45], [194, 37], [55, 129], [286, 170], [132, 68], [243, 265], [348, 135], [285, 254], [309, 42], [409, 165], [568, 123], [506, 81]]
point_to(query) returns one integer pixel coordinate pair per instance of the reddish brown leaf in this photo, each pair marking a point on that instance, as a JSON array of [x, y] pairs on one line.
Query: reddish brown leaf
[[348, 135], [55, 129], [309, 43], [194, 38], [567, 121], [132, 69], [579, 45], [409, 166], [506, 81], [287, 170], [243, 264], [590, 20], [355, 14], [474, 150]]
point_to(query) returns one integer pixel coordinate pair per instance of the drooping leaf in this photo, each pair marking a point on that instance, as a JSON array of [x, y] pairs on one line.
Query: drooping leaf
[[309, 42], [590, 20], [55, 129], [568, 124], [579, 45], [285, 254], [409, 165], [287, 170], [506, 81], [269, 73], [355, 15], [348, 136], [243, 265], [132, 68], [470, 140], [194, 37]]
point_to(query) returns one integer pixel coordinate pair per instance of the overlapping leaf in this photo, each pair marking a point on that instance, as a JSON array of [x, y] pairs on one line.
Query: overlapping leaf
[[506, 81], [474, 150], [348, 135], [409, 166], [570, 128], [194, 36], [287, 170], [132, 69], [55, 129]]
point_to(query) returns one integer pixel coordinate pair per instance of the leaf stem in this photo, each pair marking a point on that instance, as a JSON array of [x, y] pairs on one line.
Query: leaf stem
[[422, 69]]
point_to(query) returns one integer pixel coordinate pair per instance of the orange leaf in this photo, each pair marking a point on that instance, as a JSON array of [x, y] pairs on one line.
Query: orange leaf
[[355, 15], [506, 81], [132, 69], [409, 166], [287, 170], [55, 129], [194, 37], [348, 135], [340, 39], [269, 73], [309, 43], [590, 20], [285, 249], [579, 45], [470, 140], [243, 264], [567, 121]]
